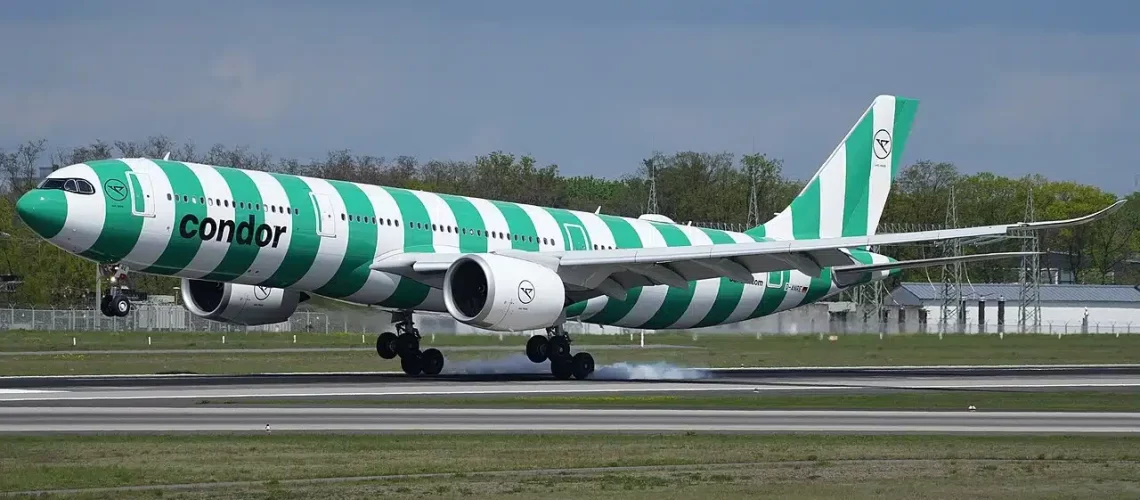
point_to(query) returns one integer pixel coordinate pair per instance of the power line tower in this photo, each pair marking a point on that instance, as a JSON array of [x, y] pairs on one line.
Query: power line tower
[[651, 172], [951, 292], [753, 196], [1029, 277]]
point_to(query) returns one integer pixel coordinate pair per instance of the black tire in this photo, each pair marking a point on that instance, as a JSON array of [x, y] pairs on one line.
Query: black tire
[[536, 348], [432, 362], [386, 345], [407, 343], [582, 365], [105, 305], [120, 306], [561, 368], [559, 348], [412, 363]]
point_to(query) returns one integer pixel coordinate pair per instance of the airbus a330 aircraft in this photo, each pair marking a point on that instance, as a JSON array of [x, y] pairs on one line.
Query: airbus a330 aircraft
[[250, 245]]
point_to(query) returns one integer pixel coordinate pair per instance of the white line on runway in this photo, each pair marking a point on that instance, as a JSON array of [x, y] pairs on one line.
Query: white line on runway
[[579, 388], [24, 391]]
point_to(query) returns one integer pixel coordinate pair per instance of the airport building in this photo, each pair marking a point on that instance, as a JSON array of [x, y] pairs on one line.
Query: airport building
[[1065, 308]]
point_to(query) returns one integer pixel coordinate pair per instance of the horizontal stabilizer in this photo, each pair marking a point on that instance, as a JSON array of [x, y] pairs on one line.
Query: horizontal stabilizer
[[847, 275]]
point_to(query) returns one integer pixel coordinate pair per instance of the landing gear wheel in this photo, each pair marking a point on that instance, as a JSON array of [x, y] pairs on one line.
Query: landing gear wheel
[[559, 347], [536, 348], [105, 305], [412, 363], [582, 365], [562, 368], [120, 306], [407, 343], [386, 345], [432, 362]]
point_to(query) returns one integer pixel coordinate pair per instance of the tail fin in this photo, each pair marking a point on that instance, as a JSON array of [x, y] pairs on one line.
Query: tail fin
[[847, 195]]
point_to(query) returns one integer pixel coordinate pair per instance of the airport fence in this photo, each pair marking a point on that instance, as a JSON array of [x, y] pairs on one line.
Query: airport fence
[[810, 320]]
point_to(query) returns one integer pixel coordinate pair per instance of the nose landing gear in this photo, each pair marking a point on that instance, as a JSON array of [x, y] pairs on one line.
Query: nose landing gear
[[115, 303]]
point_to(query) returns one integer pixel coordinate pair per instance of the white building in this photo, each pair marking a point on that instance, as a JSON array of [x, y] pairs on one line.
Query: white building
[[1065, 308]]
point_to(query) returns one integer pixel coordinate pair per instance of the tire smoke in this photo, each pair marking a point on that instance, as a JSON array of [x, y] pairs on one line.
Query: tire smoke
[[519, 364]]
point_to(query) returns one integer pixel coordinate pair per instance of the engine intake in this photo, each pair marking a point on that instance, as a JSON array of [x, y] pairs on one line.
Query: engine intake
[[239, 304], [503, 293]]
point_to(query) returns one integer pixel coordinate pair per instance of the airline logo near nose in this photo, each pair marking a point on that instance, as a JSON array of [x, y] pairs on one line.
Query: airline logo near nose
[[245, 233]]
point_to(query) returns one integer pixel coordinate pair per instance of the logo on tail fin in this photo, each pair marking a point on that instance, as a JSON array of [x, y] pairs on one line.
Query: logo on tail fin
[[882, 144]]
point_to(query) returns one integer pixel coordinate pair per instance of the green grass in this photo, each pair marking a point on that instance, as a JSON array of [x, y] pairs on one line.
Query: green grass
[[712, 466], [899, 400], [711, 350]]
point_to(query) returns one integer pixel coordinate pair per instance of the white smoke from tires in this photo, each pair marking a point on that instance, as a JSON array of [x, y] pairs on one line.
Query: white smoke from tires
[[519, 364]]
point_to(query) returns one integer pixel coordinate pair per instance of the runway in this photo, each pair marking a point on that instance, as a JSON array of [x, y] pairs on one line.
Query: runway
[[165, 391], [200, 403], [159, 419]]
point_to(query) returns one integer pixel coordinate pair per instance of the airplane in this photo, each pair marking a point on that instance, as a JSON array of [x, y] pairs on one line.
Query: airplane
[[249, 246]]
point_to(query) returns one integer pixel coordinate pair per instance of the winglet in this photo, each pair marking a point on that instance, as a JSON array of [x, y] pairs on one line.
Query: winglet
[[166, 156], [1075, 221]]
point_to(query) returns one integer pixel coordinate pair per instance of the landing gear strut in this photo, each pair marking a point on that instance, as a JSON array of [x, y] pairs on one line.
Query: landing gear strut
[[405, 343], [115, 303], [555, 346]]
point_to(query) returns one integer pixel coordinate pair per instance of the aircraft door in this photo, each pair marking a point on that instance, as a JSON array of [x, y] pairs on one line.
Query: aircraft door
[[326, 221], [576, 236], [141, 194]]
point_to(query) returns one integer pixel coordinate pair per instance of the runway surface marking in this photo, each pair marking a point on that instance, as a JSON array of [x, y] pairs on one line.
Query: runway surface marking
[[396, 387]]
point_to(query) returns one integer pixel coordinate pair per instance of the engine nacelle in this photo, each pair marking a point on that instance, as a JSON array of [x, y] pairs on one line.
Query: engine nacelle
[[240, 304], [503, 293]]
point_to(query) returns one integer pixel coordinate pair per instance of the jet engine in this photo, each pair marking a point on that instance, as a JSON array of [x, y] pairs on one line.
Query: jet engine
[[240, 304], [503, 293]]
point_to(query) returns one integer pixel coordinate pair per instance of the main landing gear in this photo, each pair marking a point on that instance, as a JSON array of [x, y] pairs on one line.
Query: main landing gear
[[555, 346], [115, 303], [405, 343]]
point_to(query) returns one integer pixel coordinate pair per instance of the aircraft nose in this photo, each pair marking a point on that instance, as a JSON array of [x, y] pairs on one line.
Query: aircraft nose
[[44, 211]]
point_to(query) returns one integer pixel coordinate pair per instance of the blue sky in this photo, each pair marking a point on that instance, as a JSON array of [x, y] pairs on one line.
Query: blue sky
[[1011, 87]]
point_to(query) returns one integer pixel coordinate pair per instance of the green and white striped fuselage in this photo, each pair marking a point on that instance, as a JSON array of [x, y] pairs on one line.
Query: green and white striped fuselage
[[320, 236]]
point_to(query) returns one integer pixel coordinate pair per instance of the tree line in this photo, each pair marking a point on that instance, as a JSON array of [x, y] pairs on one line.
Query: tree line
[[705, 188]]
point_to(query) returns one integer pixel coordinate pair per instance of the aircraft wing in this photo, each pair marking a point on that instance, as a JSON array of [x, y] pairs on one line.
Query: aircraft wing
[[611, 272]]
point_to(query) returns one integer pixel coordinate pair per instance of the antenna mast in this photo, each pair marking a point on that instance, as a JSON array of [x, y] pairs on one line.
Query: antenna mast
[[651, 172], [1029, 277], [951, 293]]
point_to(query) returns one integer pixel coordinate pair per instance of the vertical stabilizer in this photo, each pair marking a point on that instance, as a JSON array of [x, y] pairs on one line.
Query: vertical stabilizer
[[847, 195]]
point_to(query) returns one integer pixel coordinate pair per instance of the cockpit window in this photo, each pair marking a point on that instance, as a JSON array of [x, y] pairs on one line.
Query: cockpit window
[[74, 185], [51, 183], [84, 186]]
